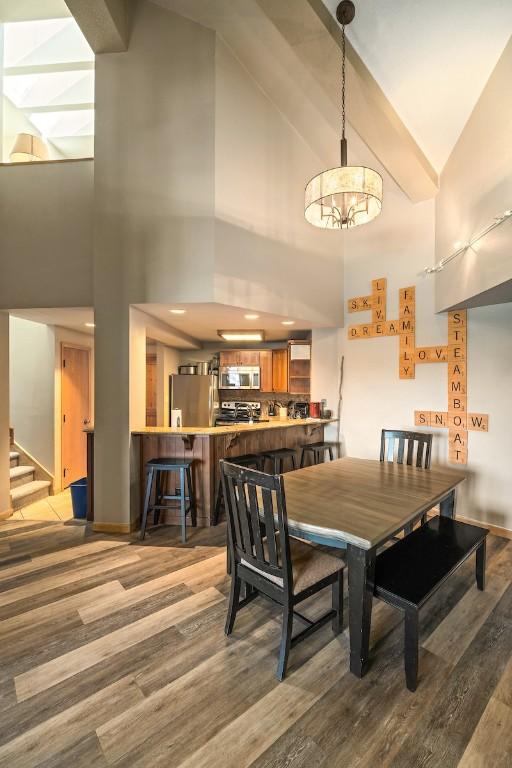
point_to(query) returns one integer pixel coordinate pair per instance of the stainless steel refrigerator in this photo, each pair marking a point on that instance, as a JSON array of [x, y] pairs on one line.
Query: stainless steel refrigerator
[[197, 397]]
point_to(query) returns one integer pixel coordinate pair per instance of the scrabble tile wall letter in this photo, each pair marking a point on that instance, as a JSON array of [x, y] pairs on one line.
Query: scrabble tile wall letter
[[454, 354]]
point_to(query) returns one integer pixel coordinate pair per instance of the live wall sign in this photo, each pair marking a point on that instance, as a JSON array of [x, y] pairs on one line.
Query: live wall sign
[[456, 419]]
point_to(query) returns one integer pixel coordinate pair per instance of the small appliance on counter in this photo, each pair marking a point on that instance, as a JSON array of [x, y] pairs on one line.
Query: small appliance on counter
[[190, 369], [301, 410], [236, 412], [176, 417], [314, 410]]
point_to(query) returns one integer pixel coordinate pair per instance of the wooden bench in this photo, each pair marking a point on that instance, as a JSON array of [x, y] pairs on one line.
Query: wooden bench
[[408, 573]]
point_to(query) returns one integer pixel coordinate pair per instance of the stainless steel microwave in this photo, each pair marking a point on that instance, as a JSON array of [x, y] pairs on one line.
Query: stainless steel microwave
[[239, 377]]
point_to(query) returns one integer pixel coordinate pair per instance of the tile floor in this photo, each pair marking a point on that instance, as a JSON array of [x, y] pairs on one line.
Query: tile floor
[[56, 508]]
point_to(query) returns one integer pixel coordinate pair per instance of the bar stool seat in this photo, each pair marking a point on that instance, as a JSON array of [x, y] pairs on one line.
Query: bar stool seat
[[278, 456], [249, 460], [155, 468], [317, 451]]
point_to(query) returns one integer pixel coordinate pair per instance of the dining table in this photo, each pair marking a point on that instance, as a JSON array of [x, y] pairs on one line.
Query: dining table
[[360, 505]]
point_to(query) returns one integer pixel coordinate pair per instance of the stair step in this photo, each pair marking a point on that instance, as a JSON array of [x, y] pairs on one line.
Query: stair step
[[14, 458], [29, 492], [21, 475]]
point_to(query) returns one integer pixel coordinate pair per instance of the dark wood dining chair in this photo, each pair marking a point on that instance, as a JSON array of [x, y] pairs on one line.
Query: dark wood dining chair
[[416, 447], [269, 562]]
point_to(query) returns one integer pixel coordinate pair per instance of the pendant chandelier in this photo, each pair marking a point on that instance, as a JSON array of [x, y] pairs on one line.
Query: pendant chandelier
[[343, 197]]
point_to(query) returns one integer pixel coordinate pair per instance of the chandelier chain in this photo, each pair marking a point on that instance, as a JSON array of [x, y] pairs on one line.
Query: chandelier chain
[[342, 81]]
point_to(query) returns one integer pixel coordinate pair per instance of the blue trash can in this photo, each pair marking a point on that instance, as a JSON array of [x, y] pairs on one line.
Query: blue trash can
[[79, 498]]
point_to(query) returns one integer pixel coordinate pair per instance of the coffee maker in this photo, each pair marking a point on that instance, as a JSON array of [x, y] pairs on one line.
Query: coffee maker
[[301, 410]]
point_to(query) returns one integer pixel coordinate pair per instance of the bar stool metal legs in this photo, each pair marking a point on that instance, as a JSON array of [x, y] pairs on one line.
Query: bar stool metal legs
[[184, 494], [317, 451]]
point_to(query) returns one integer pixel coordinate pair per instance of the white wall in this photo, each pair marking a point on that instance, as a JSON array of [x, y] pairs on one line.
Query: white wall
[[397, 246], [267, 256], [476, 186], [32, 385], [46, 231], [167, 362]]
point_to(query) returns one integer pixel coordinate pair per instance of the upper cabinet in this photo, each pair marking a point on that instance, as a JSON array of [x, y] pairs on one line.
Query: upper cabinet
[[299, 367], [280, 370], [239, 357], [274, 370]]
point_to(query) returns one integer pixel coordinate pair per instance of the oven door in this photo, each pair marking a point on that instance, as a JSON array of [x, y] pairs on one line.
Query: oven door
[[239, 377]]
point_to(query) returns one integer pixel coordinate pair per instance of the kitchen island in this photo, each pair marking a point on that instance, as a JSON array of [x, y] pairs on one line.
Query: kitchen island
[[206, 446]]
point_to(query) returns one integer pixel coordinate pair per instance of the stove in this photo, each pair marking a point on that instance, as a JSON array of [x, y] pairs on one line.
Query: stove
[[238, 412]]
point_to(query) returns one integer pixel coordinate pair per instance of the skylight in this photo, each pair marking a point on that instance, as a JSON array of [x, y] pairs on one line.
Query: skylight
[[48, 86]]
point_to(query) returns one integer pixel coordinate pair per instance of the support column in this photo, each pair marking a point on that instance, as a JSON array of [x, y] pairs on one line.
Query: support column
[[5, 491]]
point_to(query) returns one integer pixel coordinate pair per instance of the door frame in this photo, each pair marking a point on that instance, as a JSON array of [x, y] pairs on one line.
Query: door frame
[[84, 348]]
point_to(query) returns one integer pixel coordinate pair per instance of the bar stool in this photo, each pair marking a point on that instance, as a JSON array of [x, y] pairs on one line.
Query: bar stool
[[318, 451], [249, 460], [279, 456], [155, 469]]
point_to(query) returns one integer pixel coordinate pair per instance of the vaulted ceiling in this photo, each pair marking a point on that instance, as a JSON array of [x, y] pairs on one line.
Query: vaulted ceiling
[[431, 59]]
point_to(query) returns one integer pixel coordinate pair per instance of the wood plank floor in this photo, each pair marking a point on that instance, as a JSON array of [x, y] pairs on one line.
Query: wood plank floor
[[113, 654]]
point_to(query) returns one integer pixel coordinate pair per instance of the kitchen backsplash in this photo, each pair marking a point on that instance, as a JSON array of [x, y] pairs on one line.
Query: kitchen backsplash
[[253, 395]]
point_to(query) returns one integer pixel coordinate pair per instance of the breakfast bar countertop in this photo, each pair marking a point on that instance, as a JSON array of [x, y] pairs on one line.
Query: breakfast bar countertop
[[230, 428]]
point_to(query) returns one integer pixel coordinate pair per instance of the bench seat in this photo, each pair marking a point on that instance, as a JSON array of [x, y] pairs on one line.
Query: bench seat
[[408, 573]]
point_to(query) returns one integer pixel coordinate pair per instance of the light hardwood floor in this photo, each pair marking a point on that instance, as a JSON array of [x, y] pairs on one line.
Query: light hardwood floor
[[113, 654]]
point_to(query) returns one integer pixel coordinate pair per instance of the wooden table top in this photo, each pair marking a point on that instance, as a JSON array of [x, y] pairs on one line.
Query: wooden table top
[[362, 501]]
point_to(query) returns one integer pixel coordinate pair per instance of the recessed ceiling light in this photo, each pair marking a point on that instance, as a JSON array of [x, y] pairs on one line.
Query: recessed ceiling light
[[287, 322], [241, 335], [90, 325], [177, 311], [251, 317]]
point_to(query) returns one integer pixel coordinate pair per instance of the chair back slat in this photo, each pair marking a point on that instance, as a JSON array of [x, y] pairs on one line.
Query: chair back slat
[[254, 518], [258, 529], [270, 531], [419, 443]]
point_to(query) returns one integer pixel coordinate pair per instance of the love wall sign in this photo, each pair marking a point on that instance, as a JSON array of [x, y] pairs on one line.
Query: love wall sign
[[456, 419]]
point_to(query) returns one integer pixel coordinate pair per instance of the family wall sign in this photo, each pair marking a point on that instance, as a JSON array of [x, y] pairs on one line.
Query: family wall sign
[[454, 354]]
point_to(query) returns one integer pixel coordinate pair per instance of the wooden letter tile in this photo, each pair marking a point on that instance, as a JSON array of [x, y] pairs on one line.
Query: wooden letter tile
[[354, 332], [422, 418], [457, 455], [478, 422], [379, 285], [457, 319], [457, 387], [406, 370], [438, 419], [359, 304], [457, 438], [457, 403], [391, 327], [378, 329], [457, 336], [457, 421], [457, 370], [456, 353], [406, 325], [407, 295], [407, 341]]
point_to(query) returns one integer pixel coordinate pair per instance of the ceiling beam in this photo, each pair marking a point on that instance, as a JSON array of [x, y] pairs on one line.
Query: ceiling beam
[[292, 49], [43, 69], [104, 23]]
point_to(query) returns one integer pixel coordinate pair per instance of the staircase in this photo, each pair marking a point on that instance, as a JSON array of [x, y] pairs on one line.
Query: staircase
[[25, 489]]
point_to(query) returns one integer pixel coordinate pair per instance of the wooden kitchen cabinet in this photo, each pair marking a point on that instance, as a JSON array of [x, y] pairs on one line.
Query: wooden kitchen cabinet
[[266, 370], [280, 370], [299, 367], [239, 357]]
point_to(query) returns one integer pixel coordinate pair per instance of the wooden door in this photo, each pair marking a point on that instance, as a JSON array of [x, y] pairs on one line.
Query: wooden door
[[280, 370], [151, 390], [266, 370], [76, 414]]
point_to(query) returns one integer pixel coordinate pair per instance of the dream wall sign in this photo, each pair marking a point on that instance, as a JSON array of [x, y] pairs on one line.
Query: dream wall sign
[[456, 419]]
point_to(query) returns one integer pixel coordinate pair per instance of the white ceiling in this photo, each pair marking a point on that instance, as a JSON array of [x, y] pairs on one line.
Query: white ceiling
[[431, 59], [202, 321], [73, 318]]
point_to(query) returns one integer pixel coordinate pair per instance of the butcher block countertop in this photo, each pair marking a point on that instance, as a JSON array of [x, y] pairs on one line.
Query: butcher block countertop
[[230, 428]]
